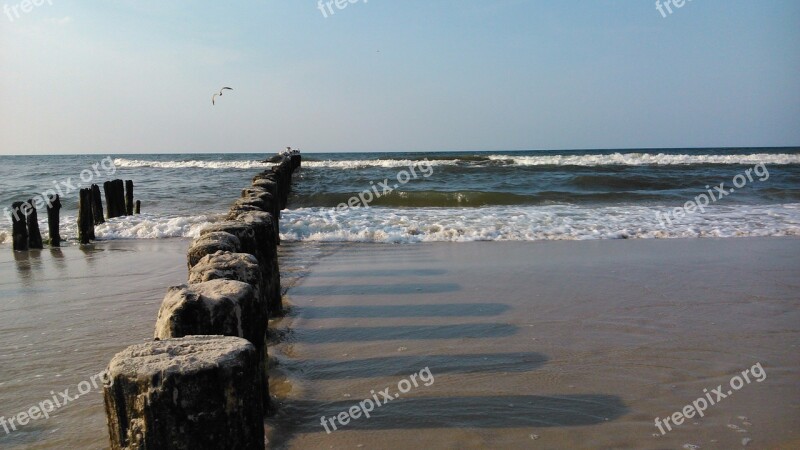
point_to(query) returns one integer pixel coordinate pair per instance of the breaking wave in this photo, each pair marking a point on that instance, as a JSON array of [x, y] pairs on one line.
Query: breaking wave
[[553, 222], [478, 161]]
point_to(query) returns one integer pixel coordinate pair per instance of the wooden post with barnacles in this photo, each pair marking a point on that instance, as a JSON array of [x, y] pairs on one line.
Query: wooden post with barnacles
[[195, 392]]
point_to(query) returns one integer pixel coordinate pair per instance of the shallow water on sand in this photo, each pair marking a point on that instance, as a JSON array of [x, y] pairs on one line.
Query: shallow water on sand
[[543, 345], [63, 315], [536, 345]]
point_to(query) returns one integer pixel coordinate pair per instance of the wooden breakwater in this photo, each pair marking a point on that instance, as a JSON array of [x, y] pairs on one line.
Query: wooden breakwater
[[202, 383], [25, 219]]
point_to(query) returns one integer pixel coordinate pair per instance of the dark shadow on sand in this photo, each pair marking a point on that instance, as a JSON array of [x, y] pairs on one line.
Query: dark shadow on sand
[[377, 289], [515, 411], [406, 332], [404, 365], [444, 310], [382, 273]]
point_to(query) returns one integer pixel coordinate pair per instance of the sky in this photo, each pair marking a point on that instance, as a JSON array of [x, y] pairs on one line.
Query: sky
[[123, 76]]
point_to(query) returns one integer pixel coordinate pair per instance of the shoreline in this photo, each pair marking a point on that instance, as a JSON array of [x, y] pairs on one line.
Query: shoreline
[[638, 327], [575, 298]]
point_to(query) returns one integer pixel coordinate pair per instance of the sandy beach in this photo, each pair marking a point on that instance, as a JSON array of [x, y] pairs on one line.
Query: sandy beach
[[544, 345], [528, 345], [64, 314], [407, 225]]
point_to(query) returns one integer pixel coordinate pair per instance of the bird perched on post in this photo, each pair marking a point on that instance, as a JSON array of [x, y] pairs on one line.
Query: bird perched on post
[[214, 97]]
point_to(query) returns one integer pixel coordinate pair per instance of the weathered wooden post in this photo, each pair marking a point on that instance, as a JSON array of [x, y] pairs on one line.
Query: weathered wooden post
[[138, 209], [34, 235], [265, 195], [97, 205], [19, 227], [211, 243], [283, 188], [129, 197], [219, 306], [53, 212], [231, 266], [119, 192], [108, 190], [197, 392], [257, 239], [268, 181], [85, 217], [115, 198], [275, 186], [263, 225]]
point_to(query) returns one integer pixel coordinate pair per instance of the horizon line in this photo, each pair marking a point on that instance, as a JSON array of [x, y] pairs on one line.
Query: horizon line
[[422, 151]]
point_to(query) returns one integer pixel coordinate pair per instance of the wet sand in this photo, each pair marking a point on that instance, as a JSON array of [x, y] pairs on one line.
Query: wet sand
[[530, 345], [63, 315], [543, 345]]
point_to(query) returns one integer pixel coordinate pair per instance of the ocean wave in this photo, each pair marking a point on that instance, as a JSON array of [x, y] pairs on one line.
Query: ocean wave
[[145, 226], [140, 226], [191, 164], [553, 222], [471, 199], [647, 159], [476, 161], [386, 163], [496, 223]]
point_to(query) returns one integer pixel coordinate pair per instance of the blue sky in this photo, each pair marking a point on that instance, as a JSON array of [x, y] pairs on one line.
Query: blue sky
[[121, 76]]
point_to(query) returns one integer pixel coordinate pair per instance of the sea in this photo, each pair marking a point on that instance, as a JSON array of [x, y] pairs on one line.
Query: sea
[[410, 197], [549, 345]]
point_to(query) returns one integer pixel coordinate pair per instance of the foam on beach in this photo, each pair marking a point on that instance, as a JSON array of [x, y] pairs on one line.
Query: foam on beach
[[497, 223], [534, 223], [525, 223], [142, 226]]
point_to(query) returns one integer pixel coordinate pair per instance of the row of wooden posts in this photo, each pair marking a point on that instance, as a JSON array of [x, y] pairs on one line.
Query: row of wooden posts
[[119, 203], [202, 383], [25, 219]]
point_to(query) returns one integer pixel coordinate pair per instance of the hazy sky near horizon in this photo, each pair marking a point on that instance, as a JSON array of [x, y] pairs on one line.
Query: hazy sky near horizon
[[124, 76]]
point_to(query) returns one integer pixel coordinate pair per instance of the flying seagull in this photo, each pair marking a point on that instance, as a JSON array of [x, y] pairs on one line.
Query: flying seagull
[[214, 97]]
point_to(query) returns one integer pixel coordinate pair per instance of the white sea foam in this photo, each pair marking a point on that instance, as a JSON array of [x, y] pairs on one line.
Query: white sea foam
[[498, 223], [142, 226], [622, 159], [334, 164], [648, 159], [387, 163], [552, 222], [147, 226], [191, 164]]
